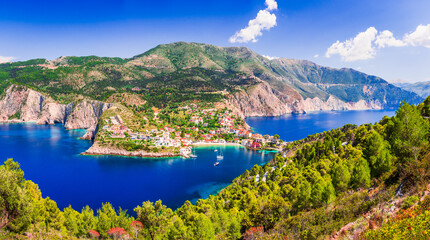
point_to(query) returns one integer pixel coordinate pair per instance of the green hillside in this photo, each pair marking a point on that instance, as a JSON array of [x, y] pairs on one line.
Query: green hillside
[[367, 182], [195, 71]]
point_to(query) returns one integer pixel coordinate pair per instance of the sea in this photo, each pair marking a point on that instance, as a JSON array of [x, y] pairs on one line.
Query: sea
[[50, 157]]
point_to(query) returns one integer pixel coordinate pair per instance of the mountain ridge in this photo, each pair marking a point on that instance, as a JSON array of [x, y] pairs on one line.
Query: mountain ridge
[[197, 71], [420, 88]]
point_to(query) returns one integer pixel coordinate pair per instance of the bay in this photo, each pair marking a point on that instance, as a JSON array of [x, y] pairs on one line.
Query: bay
[[291, 127], [49, 156]]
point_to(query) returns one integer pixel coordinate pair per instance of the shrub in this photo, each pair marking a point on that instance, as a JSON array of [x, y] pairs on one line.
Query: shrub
[[409, 202]]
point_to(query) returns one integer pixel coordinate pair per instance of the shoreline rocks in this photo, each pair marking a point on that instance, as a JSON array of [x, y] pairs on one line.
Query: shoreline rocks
[[97, 150]]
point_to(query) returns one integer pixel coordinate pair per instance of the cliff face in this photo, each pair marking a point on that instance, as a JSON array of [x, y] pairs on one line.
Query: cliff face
[[85, 115], [260, 100], [263, 100], [21, 104], [333, 103]]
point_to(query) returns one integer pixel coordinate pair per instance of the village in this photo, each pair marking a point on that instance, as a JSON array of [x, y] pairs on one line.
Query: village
[[203, 127]]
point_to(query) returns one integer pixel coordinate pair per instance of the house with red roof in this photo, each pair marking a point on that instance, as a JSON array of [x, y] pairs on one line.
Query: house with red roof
[[255, 145]]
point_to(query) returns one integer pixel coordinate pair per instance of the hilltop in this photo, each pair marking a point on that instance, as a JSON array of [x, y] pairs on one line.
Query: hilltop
[[172, 73]]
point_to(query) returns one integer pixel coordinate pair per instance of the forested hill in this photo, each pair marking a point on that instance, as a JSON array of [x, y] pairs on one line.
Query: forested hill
[[355, 182], [182, 71]]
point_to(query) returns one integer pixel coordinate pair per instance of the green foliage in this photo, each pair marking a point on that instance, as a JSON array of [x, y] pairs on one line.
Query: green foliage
[[409, 133], [341, 176], [14, 205], [177, 230], [201, 227], [53, 217], [16, 115], [321, 185], [108, 217], [377, 152], [409, 202], [154, 217], [424, 107], [361, 174]]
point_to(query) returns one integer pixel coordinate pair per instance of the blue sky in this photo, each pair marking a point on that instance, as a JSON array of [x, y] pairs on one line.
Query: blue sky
[[301, 29]]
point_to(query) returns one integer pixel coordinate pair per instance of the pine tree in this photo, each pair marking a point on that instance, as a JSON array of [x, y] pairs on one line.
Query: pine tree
[[410, 133]]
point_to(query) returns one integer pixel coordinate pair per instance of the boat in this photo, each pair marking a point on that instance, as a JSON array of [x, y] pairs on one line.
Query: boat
[[185, 152], [220, 156], [216, 164], [193, 154], [216, 150]]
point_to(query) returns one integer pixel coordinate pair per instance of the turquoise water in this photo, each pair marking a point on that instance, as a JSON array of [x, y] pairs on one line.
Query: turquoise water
[[49, 155], [292, 127]]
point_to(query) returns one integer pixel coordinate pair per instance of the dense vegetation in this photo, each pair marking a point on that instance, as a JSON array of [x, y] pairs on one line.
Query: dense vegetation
[[316, 187], [181, 71]]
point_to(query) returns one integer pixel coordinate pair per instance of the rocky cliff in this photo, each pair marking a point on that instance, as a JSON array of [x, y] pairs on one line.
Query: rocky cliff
[[259, 100], [263, 100], [85, 115], [21, 104]]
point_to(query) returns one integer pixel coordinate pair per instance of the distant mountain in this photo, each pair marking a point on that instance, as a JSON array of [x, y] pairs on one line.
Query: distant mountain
[[420, 88], [169, 73]]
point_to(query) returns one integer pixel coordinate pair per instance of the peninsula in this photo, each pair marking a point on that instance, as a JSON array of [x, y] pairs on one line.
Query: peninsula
[[159, 103]]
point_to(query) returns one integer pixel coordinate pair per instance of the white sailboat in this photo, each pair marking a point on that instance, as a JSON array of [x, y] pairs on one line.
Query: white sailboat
[[193, 154], [220, 156]]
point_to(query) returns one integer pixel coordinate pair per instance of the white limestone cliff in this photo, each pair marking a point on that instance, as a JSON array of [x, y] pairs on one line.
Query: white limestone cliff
[[21, 104]]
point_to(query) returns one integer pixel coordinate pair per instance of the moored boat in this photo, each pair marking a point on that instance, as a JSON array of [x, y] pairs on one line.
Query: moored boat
[[193, 154], [220, 156]]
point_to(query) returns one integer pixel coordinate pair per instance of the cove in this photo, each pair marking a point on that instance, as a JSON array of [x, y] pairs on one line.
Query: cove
[[291, 127], [49, 156]]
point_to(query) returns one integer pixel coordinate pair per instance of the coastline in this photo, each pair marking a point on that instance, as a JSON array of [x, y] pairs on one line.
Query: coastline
[[102, 151], [202, 144], [106, 151], [13, 121]]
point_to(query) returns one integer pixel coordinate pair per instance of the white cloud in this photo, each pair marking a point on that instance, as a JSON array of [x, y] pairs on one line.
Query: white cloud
[[420, 37], [358, 48], [264, 21], [365, 44], [386, 39], [271, 5], [316, 55], [270, 58], [4, 59]]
